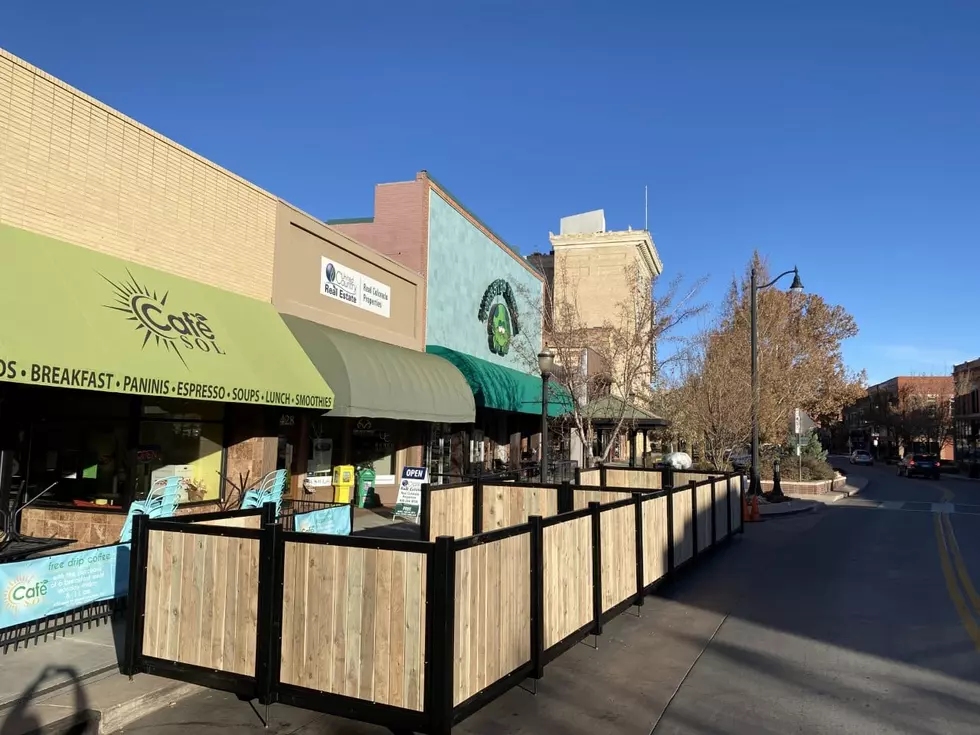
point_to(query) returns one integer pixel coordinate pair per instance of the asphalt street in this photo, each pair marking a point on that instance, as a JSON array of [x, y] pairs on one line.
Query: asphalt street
[[862, 617]]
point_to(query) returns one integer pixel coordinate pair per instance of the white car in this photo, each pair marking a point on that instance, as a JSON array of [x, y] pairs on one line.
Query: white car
[[862, 457]]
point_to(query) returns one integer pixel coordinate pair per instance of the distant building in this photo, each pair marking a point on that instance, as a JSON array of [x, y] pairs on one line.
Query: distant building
[[966, 415], [888, 419]]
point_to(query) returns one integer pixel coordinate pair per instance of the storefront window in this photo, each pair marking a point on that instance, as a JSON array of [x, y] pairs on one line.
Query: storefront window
[[373, 445], [183, 439], [72, 448]]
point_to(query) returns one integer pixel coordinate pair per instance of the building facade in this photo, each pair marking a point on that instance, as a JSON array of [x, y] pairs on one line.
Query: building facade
[[966, 416], [482, 313], [907, 413], [167, 317]]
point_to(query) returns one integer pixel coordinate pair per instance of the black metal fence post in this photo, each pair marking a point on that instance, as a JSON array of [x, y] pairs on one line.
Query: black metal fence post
[[424, 508], [566, 498], [136, 596], [438, 702], [477, 506], [578, 475], [596, 568], [667, 478], [268, 641], [694, 518], [638, 506], [670, 530], [602, 475], [728, 504], [714, 513], [537, 596]]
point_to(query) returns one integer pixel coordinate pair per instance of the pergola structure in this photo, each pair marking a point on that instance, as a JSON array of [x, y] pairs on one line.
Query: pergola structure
[[605, 414]]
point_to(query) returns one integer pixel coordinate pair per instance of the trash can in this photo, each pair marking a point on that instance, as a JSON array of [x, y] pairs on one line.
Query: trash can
[[343, 481], [365, 487]]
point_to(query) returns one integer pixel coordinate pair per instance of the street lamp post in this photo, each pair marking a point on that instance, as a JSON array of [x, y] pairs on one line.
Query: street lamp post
[[755, 482], [546, 363]]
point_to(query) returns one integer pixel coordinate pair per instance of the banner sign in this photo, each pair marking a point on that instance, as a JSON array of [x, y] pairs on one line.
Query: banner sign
[[346, 284], [409, 500], [334, 521], [36, 588]]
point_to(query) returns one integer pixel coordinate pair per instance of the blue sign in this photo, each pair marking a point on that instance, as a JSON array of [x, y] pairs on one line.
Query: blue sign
[[36, 588], [327, 520]]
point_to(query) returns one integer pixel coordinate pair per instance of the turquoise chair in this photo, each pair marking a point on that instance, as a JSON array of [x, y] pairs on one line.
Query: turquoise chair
[[270, 490], [161, 502]]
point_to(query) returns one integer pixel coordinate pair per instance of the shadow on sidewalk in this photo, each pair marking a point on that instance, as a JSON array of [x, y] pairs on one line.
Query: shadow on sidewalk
[[23, 719]]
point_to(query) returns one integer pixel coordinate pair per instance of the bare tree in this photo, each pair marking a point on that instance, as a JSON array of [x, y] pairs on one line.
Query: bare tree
[[619, 357]]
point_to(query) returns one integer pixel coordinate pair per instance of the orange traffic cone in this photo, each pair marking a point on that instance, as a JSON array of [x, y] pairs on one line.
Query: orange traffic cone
[[755, 508], [746, 515]]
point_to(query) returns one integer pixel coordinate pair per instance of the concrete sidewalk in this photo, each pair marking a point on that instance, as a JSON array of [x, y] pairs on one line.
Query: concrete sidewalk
[[74, 681]]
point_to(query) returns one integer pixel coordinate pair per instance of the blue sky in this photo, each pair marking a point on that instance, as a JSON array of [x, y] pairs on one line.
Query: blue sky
[[842, 136]]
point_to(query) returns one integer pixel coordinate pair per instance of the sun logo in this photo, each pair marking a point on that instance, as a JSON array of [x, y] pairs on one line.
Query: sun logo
[[24, 591], [173, 331]]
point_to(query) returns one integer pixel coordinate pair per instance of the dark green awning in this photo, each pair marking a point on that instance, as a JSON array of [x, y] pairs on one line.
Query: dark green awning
[[377, 380], [503, 388]]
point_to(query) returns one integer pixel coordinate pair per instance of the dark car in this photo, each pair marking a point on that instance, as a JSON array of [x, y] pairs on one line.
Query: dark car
[[919, 464]]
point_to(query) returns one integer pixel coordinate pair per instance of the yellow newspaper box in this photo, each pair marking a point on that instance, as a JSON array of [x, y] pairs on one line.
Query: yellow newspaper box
[[343, 483]]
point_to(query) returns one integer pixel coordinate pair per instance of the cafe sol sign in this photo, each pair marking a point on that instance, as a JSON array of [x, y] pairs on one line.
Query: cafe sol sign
[[166, 325]]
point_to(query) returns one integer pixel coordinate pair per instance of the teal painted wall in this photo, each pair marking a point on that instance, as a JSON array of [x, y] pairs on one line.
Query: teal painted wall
[[463, 263]]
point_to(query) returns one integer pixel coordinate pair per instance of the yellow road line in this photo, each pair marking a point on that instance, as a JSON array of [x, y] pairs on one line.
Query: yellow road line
[[972, 629], [961, 570]]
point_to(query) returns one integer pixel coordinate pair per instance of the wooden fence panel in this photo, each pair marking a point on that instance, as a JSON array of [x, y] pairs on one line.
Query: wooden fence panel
[[704, 516], [493, 613], [567, 579], [511, 505], [589, 476], [253, 521], [451, 512], [683, 527], [736, 503], [721, 509], [582, 498], [654, 540], [354, 622], [618, 532], [202, 600], [633, 479]]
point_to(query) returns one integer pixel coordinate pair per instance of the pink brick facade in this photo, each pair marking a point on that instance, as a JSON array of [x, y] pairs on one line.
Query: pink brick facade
[[399, 228]]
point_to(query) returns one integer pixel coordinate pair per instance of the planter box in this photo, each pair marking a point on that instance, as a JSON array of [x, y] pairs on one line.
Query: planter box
[[812, 487]]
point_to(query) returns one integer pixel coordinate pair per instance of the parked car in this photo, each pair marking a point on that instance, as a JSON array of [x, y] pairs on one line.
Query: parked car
[[919, 464], [862, 457], [740, 458]]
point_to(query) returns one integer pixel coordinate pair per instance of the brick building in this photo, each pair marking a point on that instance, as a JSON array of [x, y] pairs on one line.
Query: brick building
[[966, 415], [482, 313], [901, 415]]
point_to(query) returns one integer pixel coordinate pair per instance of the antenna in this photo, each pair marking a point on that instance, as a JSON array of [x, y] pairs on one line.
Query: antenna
[[646, 210]]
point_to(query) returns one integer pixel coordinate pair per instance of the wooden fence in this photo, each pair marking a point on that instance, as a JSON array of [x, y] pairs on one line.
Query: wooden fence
[[408, 635]]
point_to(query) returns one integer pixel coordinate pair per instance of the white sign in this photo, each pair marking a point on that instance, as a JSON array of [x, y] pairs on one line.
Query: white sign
[[410, 492], [346, 284], [797, 421]]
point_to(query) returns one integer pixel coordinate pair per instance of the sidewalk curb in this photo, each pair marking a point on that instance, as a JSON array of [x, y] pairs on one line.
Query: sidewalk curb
[[788, 513]]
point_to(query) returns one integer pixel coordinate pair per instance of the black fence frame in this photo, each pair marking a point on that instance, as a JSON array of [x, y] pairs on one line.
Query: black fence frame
[[438, 714]]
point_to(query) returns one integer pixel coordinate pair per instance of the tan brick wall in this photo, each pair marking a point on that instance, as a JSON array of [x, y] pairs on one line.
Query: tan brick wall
[[593, 278], [74, 169]]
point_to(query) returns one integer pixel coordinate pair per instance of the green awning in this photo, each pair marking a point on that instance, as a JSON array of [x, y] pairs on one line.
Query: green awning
[[76, 318], [377, 380], [503, 388]]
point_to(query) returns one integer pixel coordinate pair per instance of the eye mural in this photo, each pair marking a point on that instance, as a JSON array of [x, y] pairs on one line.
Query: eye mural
[[498, 310]]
